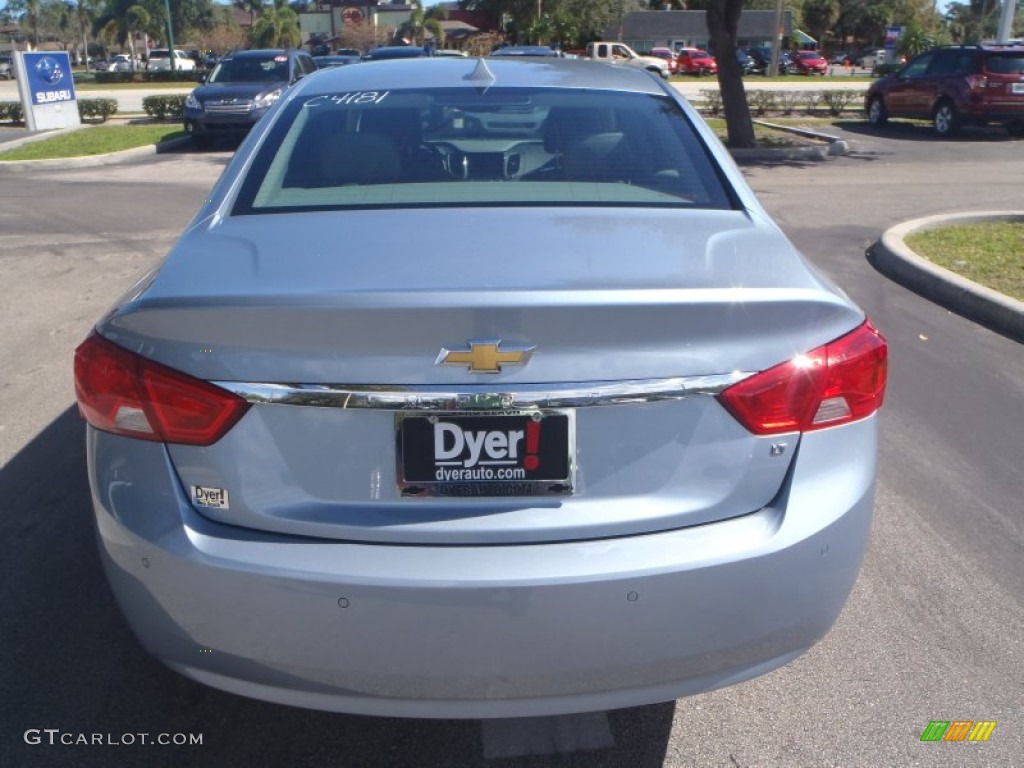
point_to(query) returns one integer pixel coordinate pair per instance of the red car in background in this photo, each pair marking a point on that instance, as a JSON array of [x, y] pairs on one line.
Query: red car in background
[[693, 61], [810, 63], [668, 56]]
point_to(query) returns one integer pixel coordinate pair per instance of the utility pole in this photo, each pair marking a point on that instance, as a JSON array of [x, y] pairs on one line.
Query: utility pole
[[773, 67], [1006, 22], [170, 35]]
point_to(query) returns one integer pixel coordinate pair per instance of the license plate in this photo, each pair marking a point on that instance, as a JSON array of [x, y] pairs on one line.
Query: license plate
[[1017, 88], [507, 454]]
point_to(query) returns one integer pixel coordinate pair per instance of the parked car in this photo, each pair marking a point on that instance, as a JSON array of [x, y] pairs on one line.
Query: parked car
[[763, 58], [397, 52], [122, 62], [240, 89], [954, 86], [809, 63], [526, 50], [748, 66], [693, 61], [336, 471], [871, 58], [6, 67], [323, 62], [160, 61], [668, 56]]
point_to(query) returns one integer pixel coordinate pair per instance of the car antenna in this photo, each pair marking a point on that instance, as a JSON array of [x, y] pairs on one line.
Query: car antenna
[[481, 74]]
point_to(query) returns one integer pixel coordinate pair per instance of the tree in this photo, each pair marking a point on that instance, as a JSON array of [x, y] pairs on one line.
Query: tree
[[277, 26], [819, 16], [518, 18], [363, 36], [415, 29], [723, 18], [26, 11], [85, 12], [915, 40], [122, 20], [975, 20], [565, 28], [226, 35]]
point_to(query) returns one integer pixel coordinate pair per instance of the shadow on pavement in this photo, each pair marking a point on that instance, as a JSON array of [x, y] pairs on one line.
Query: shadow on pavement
[[920, 130], [72, 664]]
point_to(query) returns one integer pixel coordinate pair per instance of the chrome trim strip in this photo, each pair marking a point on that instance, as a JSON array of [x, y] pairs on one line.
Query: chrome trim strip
[[482, 397]]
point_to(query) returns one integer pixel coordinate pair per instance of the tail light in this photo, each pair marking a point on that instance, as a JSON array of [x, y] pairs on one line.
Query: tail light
[[124, 393], [977, 82], [837, 383]]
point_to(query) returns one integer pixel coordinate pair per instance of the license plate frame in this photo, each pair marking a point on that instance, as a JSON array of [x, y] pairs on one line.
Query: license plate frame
[[477, 448], [1017, 88]]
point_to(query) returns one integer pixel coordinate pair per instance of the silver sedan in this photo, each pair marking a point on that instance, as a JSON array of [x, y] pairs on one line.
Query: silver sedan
[[481, 388]]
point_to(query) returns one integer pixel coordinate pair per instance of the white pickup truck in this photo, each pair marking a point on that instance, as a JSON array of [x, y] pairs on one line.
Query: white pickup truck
[[160, 61], [618, 53]]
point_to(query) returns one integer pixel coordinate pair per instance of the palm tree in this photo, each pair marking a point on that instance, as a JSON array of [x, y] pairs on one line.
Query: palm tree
[[84, 9], [277, 27], [419, 23], [122, 20]]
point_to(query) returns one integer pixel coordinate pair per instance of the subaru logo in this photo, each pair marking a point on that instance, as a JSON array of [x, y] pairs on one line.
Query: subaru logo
[[49, 69]]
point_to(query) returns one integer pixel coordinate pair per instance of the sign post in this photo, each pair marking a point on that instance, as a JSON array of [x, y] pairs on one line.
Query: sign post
[[47, 90], [892, 37]]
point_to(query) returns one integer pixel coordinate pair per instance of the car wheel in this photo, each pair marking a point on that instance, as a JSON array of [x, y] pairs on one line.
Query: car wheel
[[946, 120], [878, 115]]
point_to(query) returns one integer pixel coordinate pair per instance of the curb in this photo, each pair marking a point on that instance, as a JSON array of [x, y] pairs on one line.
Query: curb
[[90, 161], [833, 146], [965, 297]]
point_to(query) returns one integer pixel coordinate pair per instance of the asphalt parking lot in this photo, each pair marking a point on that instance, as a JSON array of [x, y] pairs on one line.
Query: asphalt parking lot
[[933, 630]]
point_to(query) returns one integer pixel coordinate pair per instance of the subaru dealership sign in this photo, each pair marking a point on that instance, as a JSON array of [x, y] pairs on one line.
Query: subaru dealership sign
[[47, 90]]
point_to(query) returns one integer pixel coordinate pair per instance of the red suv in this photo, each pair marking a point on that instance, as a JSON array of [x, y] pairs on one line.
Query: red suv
[[954, 86]]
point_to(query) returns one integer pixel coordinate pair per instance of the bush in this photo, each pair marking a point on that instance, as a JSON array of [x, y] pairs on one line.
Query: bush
[[11, 111], [712, 100], [761, 101], [167, 76], [165, 107], [97, 108], [837, 101], [789, 100], [812, 100], [115, 77]]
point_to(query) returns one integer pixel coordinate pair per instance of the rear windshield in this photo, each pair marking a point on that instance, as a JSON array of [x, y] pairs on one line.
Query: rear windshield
[[467, 146], [1008, 63], [251, 69]]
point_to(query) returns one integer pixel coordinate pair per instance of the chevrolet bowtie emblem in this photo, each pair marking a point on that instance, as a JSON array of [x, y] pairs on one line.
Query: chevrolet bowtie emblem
[[485, 356]]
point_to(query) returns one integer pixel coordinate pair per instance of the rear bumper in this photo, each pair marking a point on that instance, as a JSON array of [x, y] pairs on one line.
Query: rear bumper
[[498, 631]]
